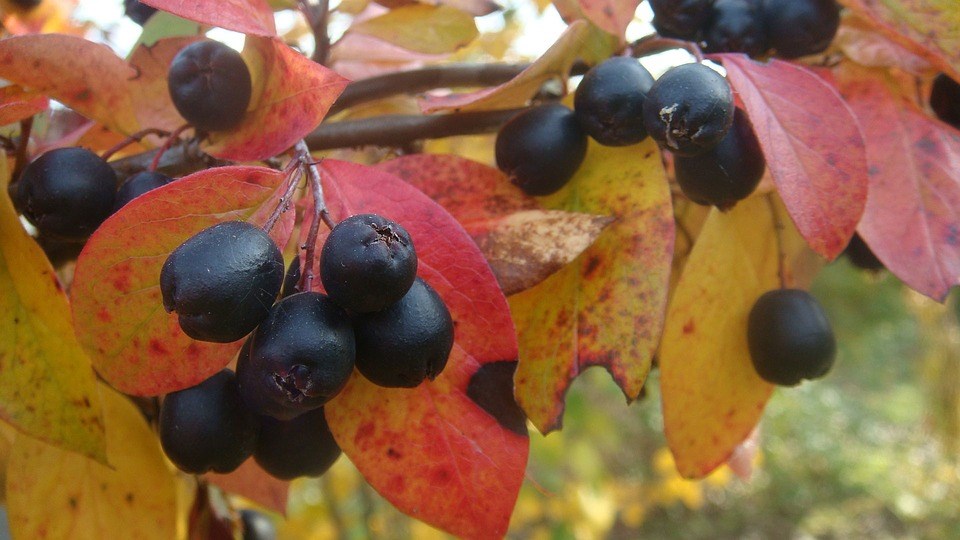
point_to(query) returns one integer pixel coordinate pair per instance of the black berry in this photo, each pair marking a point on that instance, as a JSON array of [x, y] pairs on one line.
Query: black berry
[[609, 101], [207, 427], [137, 11], [367, 263], [737, 26], [26, 4], [299, 358], [406, 343], [541, 149], [727, 173], [790, 337], [302, 446], [860, 255], [67, 193], [800, 27], [683, 19], [137, 185], [222, 281], [257, 525], [210, 85], [945, 99], [689, 109]]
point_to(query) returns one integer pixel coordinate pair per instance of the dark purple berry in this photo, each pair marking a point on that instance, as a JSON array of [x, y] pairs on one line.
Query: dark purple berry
[[137, 11], [207, 427], [861, 256], [26, 5], [945, 100], [682, 19], [222, 281], [210, 85], [137, 185], [609, 101], [737, 26], [257, 525], [798, 28], [302, 446], [367, 263]]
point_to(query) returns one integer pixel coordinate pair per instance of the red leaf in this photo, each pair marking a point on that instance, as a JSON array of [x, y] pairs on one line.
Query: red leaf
[[612, 16], [17, 104], [432, 451], [813, 146], [118, 313], [292, 94], [913, 211], [254, 483], [244, 16]]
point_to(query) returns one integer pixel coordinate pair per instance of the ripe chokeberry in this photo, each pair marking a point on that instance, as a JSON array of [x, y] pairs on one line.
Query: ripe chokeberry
[[800, 27], [689, 109], [945, 100], [210, 85], [257, 525], [609, 101], [137, 185], [207, 427], [26, 5], [302, 446], [541, 148], [406, 343], [299, 358], [222, 281], [727, 173], [367, 263], [682, 19], [67, 193], [860, 255], [736, 26], [790, 337], [138, 11]]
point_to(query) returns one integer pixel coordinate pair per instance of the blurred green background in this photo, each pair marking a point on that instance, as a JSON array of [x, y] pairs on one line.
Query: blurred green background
[[868, 452]]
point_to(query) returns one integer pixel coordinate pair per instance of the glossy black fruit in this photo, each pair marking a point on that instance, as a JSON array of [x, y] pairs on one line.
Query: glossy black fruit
[[138, 11], [860, 255], [210, 85], [67, 193], [303, 446], [207, 427], [790, 337], [222, 281], [727, 173], [367, 263], [406, 343], [736, 26], [137, 185], [683, 19], [800, 27], [299, 358], [945, 100], [541, 149], [291, 279], [689, 109], [609, 101], [257, 525]]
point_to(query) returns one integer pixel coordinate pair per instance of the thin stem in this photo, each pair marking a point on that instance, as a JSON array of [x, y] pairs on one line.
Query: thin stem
[[320, 214], [175, 136], [778, 228], [20, 160], [317, 16], [130, 139], [653, 44], [292, 172]]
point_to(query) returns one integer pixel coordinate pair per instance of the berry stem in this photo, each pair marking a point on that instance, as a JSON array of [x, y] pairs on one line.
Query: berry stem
[[778, 229], [292, 172], [175, 136], [320, 213], [130, 139], [20, 161], [317, 16], [654, 43]]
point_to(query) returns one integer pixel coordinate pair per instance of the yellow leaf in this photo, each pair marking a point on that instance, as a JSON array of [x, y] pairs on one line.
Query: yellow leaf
[[48, 389], [422, 28], [58, 494], [712, 396], [606, 307]]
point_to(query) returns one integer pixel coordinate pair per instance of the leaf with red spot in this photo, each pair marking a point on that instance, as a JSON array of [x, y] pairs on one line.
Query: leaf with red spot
[[912, 219], [612, 16], [814, 148], [252, 482], [244, 16], [291, 96], [523, 243], [17, 104], [451, 452], [119, 317]]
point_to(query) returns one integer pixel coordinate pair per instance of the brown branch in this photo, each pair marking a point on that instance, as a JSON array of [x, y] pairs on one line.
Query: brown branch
[[653, 44], [317, 17], [26, 126]]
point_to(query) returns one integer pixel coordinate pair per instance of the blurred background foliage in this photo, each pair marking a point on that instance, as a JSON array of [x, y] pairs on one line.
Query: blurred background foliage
[[870, 451]]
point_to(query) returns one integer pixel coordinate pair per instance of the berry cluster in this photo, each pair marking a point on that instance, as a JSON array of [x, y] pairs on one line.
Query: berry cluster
[[377, 316], [791, 28]]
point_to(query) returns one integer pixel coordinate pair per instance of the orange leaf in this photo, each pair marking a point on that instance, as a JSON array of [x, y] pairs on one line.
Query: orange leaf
[[814, 148], [244, 16], [254, 483], [134, 344], [292, 94], [451, 452], [712, 396], [606, 308], [912, 219], [612, 16], [149, 92], [17, 104]]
